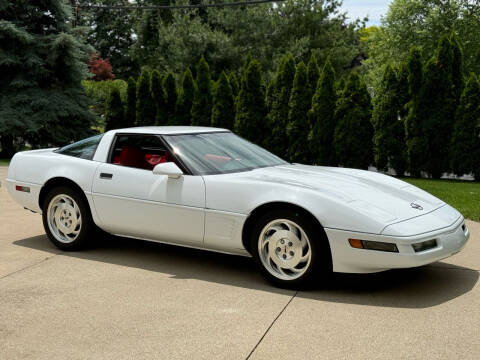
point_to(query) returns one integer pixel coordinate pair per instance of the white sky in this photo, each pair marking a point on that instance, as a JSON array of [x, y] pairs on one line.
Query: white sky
[[374, 9]]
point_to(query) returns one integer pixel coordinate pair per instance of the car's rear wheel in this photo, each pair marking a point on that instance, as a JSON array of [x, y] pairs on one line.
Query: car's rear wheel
[[289, 250], [67, 219]]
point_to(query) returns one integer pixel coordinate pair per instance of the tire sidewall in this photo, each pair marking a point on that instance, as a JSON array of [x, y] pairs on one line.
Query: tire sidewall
[[320, 264], [87, 223]]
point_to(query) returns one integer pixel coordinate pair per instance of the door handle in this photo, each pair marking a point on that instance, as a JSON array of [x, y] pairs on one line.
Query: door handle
[[106, 176]]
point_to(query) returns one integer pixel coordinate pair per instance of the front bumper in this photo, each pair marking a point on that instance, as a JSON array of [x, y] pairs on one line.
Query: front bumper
[[449, 241]]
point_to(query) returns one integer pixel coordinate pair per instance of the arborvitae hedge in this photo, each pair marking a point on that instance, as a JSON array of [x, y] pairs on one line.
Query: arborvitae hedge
[[298, 126], [416, 142], [146, 108], [322, 118], [389, 137], [232, 78], [465, 144], [354, 131], [437, 105], [114, 115], [313, 73], [277, 141], [170, 96], [130, 109], [223, 114], [158, 95], [250, 105], [185, 99], [202, 100]]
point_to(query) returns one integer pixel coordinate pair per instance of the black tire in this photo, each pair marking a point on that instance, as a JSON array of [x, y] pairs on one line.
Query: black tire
[[319, 267], [86, 229]]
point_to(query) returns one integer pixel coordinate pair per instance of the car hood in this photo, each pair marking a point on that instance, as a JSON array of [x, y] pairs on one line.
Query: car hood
[[384, 198]]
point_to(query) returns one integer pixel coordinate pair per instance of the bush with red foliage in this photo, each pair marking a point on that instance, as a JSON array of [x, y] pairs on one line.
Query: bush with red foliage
[[101, 68]]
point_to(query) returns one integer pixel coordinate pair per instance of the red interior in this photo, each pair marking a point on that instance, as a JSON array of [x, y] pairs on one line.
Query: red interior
[[134, 156]]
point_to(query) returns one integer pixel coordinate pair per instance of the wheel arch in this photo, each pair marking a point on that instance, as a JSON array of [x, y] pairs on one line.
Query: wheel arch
[[278, 205], [56, 182]]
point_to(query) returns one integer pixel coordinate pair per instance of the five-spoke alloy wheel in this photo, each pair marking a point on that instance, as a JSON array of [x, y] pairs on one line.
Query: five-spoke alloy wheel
[[290, 249], [67, 219]]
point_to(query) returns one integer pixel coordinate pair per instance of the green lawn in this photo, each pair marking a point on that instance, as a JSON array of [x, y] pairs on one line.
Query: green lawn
[[462, 195], [4, 162]]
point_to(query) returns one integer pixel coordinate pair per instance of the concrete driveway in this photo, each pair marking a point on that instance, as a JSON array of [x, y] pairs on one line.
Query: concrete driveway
[[128, 299]]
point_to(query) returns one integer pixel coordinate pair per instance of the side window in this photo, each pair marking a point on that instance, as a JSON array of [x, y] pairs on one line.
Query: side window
[[84, 149], [139, 151]]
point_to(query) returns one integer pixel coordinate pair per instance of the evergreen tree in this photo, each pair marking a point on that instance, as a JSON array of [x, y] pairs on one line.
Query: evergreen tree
[[416, 142], [457, 68], [437, 106], [322, 118], [171, 97], [269, 95], [185, 99], [114, 115], [278, 117], [354, 131], [146, 108], [250, 105], [158, 96], [232, 78], [298, 127], [223, 104], [202, 99], [313, 74], [130, 111], [41, 66], [389, 137], [465, 145]]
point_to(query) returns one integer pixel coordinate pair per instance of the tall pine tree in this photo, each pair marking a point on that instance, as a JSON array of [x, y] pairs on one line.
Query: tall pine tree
[[114, 116], [41, 66], [223, 115], [298, 127], [250, 105], [465, 144], [130, 109], [185, 99], [202, 99], [170, 96], [322, 118], [146, 108], [278, 116], [389, 136], [354, 131]]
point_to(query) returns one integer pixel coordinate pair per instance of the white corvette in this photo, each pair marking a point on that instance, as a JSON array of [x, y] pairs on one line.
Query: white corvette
[[209, 189]]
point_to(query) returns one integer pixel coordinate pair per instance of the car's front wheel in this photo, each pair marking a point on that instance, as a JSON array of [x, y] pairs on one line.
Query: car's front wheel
[[289, 250], [67, 219]]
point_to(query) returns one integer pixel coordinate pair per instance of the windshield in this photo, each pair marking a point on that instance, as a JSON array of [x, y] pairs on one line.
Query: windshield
[[220, 153]]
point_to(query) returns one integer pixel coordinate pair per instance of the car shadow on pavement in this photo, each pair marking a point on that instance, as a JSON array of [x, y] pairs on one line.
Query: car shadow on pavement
[[406, 288]]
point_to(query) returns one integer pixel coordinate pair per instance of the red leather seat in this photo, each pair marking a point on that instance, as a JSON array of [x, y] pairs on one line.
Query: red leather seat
[[133, 156]]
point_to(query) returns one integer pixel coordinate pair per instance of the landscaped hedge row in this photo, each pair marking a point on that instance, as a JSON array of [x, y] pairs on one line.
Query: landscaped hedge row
[[423, 119]]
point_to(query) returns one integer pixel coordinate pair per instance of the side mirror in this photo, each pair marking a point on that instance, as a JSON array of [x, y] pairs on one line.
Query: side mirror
[[169, 168]]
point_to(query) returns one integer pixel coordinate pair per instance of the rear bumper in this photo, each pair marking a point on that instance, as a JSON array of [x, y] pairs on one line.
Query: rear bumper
[[28, 199], [449, 241]]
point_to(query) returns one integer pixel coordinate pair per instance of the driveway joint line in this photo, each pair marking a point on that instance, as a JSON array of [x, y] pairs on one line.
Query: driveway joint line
[[28, 267], [454, 268], [271, 325]]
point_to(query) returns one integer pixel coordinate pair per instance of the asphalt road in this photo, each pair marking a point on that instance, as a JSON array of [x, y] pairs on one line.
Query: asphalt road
[[127, 299]]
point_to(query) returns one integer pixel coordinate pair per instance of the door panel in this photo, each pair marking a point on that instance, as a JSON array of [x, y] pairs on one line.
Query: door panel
[[135, 202]]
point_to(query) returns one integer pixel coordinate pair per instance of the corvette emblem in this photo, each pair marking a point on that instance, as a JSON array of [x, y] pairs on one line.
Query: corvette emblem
[[416, 206]]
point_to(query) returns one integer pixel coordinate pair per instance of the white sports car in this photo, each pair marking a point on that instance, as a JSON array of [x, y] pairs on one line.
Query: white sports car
[[210, 189]]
